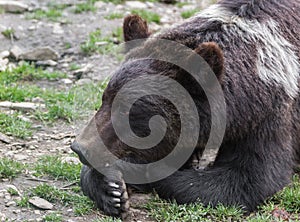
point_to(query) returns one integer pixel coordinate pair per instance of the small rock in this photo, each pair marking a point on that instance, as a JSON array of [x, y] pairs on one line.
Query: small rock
[[82, 82], [70, 160], [57, 29], [32, 28], [136, 4], [101, 43], [20, 157], [37, 212], [3, 64], [16, 211], [37, 100], [13, 6], [40, 54], [24, 106], [4, 138], [16, 52], [100, 4], [46, 63], [66, 81], [79, 72], [2, 217], [40, 203], [4, 54], [11, 204]]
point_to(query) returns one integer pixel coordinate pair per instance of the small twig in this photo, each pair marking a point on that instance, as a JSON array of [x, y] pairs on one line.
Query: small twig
[[66, 187]]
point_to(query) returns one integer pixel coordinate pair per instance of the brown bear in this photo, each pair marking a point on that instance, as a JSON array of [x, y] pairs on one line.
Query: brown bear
[[253, 48]]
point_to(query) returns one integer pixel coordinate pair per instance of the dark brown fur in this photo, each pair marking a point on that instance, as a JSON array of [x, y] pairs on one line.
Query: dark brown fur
[[262, 138]]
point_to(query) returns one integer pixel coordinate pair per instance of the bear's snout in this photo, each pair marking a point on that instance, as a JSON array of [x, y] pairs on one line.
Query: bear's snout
[[77, 149]]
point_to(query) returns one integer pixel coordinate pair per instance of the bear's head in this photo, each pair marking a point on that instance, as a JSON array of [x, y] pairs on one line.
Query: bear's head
[[101, 132]]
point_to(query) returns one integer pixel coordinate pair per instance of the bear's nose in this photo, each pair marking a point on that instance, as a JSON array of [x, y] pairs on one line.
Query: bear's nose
[[75, 146]]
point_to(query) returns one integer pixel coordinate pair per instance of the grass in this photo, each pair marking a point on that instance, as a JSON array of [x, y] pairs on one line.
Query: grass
[[81, 204], [287, 200], [28, 72], [114, 15], [55, 168], [9, 168], [50, 14], [147, 15], [53, 217], [8, 33], [65, 104], [116, 2], [91, 46], [74, 66], [14, 126], [12, 192], [87, 6], [189, 13], [54, 12]]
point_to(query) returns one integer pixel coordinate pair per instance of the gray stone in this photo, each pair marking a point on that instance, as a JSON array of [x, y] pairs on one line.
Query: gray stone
[[11, 204], [3, 64], [57, 29], [101, 43], [20, 157], [70, 160], [13, 6], [136, 4], [82, 82], [41, 203], [66, 81], [24, 106], [4, 54], [40, 54], [46, 63], [16, 52], [4, 138]]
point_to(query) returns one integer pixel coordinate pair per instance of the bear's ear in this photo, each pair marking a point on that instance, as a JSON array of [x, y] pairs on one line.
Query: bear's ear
[[134, 27], [213, 55]]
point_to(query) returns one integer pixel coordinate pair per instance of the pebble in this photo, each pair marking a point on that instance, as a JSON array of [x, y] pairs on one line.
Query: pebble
[[46, 63], [136, 4], [20, 157], [23, 106], [40, 54], [57, 29], [82, 82], [66, 81], [13, 6], [41, 203], [4, 54], [11, 204]]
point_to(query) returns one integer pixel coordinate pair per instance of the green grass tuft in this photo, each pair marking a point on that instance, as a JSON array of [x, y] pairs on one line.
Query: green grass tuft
[[90, 46], [147, 15], [64, 104], [81, 204], [87, 6], [189, 13], [114, 15], [13, 125], [8, 33], [54, 167], [9, 168], [53, 217]]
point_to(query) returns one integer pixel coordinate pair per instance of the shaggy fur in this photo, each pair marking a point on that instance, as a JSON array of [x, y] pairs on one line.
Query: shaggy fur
[[253, 46]]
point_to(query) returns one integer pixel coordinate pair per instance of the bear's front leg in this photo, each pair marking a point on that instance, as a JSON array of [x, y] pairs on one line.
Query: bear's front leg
[[244, 174], [109, 191]]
